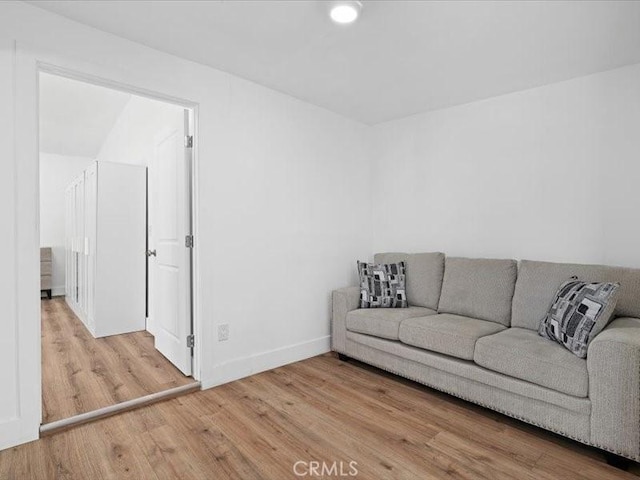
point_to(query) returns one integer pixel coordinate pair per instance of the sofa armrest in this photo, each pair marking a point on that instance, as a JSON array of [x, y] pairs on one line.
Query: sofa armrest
[[613, 362], [343, 301]]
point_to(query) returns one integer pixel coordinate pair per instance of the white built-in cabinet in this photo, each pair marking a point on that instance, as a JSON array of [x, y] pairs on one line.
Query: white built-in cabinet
[[106, 225]]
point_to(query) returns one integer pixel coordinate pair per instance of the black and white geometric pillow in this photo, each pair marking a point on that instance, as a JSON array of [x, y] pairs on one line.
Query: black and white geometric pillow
[[382, 285], [579, 312]]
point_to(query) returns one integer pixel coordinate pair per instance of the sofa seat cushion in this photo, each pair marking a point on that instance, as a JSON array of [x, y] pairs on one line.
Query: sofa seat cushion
[[445, 333], [382, 322], [523, 354]]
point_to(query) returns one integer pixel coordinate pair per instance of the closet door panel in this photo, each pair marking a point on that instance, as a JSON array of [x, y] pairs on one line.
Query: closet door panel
[[90, 225], [74, 251], [106, 248], [82, 267], [121, 256], [67, 242]]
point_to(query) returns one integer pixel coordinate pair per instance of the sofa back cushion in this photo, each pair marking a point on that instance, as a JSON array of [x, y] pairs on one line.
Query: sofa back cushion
[[538, 283], [424, 273], [479, 288]]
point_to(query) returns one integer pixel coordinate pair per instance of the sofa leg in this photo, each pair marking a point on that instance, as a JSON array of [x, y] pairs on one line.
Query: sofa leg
[[49, 294], [343, 357], [617, 461]]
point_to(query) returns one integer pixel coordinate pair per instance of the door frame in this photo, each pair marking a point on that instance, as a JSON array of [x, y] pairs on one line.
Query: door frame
[[28, 64]]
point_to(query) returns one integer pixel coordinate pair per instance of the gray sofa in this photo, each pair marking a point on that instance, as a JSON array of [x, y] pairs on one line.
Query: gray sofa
[[471, 331]]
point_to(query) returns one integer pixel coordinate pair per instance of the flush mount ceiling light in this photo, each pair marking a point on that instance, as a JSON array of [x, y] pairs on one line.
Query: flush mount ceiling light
[[345, 12]]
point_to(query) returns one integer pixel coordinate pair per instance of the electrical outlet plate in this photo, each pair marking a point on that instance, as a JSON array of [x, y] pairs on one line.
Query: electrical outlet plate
[[223, 332]]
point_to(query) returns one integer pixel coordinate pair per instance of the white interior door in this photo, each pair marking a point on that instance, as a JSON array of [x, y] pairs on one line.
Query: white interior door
[[170, 268], [79, 242]]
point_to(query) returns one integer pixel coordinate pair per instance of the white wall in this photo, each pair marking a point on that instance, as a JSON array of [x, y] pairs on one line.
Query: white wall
[[132, 138], [13, 428], [549, 173], [282, 189], [56, 173]]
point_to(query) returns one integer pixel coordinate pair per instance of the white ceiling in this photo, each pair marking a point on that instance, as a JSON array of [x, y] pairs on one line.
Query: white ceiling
[[400, 58], [76, 117]]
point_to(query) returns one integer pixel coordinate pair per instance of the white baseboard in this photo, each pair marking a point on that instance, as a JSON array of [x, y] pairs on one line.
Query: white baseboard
[[247, 366], [58, 291]]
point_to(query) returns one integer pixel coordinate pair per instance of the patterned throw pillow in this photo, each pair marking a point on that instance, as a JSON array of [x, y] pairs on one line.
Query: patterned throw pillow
[[579, 312], [382, 285]]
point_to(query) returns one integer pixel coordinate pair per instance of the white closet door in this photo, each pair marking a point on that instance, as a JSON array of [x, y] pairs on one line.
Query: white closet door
[[80, 246], [90, 225], [67, 243], [74, 245], [120, 249], [170, 269]]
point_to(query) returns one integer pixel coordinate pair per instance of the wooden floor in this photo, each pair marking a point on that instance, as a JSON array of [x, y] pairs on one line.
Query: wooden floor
[[320, 409], [81, 373]]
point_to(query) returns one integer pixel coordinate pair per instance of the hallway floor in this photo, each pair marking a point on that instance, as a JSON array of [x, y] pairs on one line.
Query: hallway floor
[[81, 373]]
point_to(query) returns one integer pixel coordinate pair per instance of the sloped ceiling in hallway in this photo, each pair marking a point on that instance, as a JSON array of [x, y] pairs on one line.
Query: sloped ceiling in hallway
[[76, 117]]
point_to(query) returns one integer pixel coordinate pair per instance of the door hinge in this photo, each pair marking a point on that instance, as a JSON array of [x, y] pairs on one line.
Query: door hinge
[[188, 141], [188, 241], [191, 341]]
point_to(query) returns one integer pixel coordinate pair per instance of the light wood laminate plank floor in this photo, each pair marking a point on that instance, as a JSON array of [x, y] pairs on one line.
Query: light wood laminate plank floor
[[81, 373], [319, 409]]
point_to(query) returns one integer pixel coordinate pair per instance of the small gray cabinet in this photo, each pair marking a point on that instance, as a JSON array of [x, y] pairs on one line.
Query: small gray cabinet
[[45, 270]]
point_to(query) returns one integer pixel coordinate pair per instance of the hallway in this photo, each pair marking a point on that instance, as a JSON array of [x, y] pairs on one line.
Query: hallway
[[81, 373]]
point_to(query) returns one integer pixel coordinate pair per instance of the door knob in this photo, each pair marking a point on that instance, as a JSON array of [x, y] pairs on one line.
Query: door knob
[[151, 253]]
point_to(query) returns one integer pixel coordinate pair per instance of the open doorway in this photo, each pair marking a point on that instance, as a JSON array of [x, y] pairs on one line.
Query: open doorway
[[116, 248]]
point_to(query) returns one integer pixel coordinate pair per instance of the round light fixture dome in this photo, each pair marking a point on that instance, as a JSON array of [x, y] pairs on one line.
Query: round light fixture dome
[[345, 11]]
